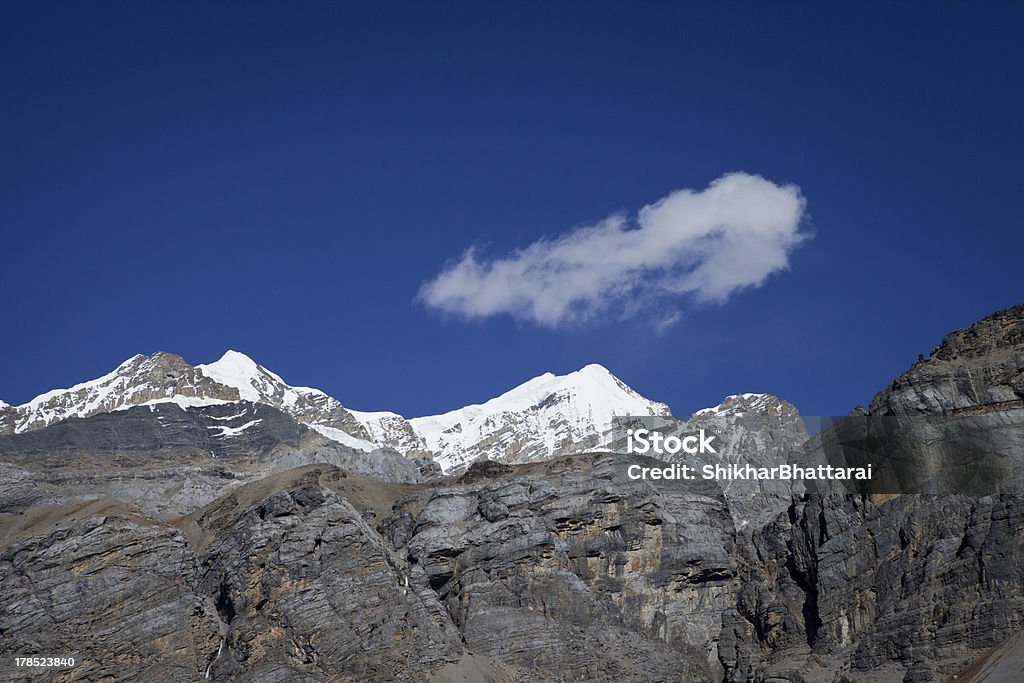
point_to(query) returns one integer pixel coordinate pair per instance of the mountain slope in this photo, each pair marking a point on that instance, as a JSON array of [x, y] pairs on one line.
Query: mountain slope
[[547, 416], [161, 377], [310, 406], [170, 460], [167, 378], [389, 428], [757, 429]]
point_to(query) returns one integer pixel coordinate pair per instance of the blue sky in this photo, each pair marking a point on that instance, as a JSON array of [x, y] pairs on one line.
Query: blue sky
[[283, 178]]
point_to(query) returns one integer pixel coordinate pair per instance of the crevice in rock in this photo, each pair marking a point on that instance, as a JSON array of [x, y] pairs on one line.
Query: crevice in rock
[[812, 622], [805, 580], [224, 606], [439, 581]]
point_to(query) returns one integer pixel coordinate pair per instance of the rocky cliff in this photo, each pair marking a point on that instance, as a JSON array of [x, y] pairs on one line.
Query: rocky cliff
[[897, 587], [559, 571], [977, 368], [293, 568], [170, 460]]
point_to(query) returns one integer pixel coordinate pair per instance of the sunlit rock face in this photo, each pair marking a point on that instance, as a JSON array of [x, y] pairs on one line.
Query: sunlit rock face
[[139, 380], [978, 368]]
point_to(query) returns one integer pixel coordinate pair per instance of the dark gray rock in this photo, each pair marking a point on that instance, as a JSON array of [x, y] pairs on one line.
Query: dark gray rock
[[301, 579], [118, 591], [571, 570], [170, 460], [916, 585], [18, 489], [898, 587]]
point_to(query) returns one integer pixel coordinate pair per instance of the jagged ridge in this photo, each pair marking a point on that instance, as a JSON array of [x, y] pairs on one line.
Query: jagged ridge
[[547, 416]]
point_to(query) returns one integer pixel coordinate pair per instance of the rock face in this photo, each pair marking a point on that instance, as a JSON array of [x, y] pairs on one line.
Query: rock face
[[896, 587], [757, 429], [391, 428], [907, 589], [117, 590], [556, 570], [19, 490], [7, 417], [171, 460], [306, 587], [974, 369], [571, 570], [563, 570]]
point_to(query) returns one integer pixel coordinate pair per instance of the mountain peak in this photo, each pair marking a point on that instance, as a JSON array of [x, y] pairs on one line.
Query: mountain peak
[[235, 369], [232, 356], [595, 372], [989, 352], [135, 359], [560, 413], [235, 361], [141, 379], [750, 403], [545, 416], [588, 371], [310, 406], [594, 369]]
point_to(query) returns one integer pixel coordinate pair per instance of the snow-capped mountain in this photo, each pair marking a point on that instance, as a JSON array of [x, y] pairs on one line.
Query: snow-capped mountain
[[547, 416], [161, 377], [761, 430], [309, 406], [394, 430], [167, 378], [743, 404]]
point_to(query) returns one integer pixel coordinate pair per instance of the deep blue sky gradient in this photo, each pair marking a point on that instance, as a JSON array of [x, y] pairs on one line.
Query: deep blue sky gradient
[[280, 178]]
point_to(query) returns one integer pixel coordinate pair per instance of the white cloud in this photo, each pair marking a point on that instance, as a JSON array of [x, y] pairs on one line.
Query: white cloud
[[700, 246]]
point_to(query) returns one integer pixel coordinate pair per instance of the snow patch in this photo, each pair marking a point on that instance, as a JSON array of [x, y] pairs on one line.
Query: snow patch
[[370, 417], [344, 438], [234, 431], [182, 402], [230, 417], [237, 370]]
